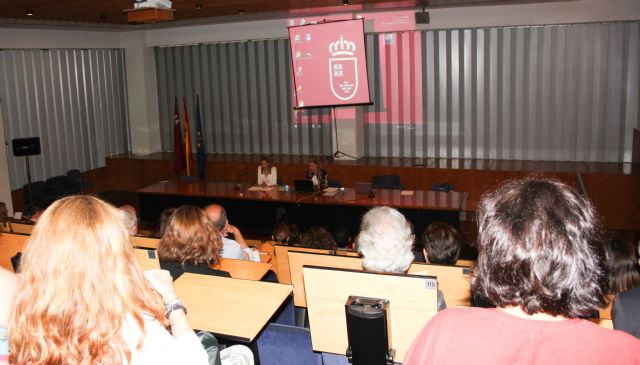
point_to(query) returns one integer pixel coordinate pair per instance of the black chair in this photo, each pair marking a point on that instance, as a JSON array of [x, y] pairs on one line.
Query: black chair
[[386, 182], [38, 192], [75, 177], [335, 184]]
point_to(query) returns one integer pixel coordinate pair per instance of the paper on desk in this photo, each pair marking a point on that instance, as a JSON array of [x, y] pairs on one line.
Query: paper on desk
[[254, 255], [406, 192], [260, 188], [330, 191]]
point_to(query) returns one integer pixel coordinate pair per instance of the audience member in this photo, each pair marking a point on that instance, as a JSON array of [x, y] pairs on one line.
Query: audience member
[[624, 272], [130, 219], [317, 175], [385, 241], [441, 244], [626, 312], [231, 248], [190, 244], [31, 213], [163, 221], [280, 234], [540, 263], [9, 284], [267, 173], [294, 234], [343, 237], [319, 238], [83, 299]]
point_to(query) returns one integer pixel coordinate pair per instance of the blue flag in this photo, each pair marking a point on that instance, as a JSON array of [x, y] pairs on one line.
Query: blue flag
[[200, 151]]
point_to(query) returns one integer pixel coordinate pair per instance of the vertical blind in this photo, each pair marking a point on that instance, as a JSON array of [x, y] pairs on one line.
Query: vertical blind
[[245, 91], [74, 100], [557, 92]]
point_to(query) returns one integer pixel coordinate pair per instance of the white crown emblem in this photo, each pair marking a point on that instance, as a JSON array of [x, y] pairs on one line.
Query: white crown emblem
[[342, 47]]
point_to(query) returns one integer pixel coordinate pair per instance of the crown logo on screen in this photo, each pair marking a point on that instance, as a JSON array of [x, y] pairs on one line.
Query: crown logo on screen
[[342, 47]]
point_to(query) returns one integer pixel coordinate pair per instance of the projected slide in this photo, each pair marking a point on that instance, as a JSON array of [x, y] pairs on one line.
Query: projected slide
[[329, 64]]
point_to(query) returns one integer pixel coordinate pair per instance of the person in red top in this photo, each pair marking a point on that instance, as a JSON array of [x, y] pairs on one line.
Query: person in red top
[[540, 263]]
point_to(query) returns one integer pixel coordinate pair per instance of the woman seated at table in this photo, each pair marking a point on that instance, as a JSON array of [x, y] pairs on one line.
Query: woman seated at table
[[317, 175], [267, 173], [540, 263], [190, 244], [83, 298]]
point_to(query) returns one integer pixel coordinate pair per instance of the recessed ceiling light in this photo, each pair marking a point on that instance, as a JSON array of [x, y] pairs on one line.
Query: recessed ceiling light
[[345, 2], [199, 6], [103, 17], [29, 12], [241, 11]]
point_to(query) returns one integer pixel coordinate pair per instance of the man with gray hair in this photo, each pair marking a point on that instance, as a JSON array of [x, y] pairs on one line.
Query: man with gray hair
[[231, 248], [130, 219], [385, 242]]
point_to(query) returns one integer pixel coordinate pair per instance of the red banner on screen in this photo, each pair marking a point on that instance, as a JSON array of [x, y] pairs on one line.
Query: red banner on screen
[[329, 64]]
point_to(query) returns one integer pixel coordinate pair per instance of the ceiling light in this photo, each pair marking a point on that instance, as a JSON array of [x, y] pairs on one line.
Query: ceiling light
[[29, 12], [241, 11], [345, 2], [199, 6]]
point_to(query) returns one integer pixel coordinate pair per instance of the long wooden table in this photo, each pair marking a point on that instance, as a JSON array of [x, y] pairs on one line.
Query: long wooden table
[[231, 308], [260, 211]]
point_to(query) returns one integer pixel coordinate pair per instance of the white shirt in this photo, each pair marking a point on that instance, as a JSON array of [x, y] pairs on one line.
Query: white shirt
[[231, 249], [160, 347], [271, 179]]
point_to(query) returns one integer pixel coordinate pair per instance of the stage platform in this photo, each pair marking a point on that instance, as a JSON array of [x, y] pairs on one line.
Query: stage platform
[[614, 188]]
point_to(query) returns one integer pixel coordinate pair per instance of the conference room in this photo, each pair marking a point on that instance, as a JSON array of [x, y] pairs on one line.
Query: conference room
[[292, 133]]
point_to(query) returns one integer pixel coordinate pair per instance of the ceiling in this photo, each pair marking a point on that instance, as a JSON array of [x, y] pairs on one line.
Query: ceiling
[[110, 12]]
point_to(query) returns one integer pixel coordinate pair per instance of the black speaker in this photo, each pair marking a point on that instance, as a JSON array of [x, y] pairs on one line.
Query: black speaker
[[26, 146], [368, 331], [422, 17]]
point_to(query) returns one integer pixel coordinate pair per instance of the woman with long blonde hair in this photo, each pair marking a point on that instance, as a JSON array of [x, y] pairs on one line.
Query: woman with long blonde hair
[[83, 298]]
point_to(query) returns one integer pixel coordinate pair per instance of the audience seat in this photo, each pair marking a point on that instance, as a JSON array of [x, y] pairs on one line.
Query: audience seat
[[386, 182], [280, 344]]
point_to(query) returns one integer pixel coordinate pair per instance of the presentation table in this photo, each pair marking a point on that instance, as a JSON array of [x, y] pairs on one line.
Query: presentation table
[[260, 211], [230, 308]]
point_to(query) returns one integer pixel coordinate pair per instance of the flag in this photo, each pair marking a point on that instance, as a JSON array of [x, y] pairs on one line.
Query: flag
[[188, 156], [178, 147], [200, 150]]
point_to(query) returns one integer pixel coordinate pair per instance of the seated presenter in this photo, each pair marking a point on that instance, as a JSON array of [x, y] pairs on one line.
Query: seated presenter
[[317, 174], [267, 173]]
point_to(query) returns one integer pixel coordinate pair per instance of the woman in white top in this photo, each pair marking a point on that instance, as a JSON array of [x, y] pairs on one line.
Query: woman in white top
[[83, 299], [267, 174]]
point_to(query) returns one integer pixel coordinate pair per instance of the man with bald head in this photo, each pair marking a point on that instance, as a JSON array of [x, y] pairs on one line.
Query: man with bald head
[[231, 249]]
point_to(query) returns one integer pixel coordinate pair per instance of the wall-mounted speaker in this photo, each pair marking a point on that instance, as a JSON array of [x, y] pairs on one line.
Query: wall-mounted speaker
[[26, 146]]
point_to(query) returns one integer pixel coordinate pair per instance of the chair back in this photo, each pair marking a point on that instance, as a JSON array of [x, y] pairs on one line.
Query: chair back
[[413, 301], [10, 245], [282, 260], [299, 259], [21, 228], [454, 281], [386, 182], [145, 242], [280, 344]]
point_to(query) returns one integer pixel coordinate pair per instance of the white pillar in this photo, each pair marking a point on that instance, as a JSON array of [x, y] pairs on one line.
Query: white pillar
[[142, 93]]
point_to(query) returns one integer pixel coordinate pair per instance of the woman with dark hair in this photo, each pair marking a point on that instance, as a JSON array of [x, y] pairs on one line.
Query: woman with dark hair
[[624, 272], [163, 221], [540, 263], [317, 175], [318, 237], [267, 173], [190, 244]]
